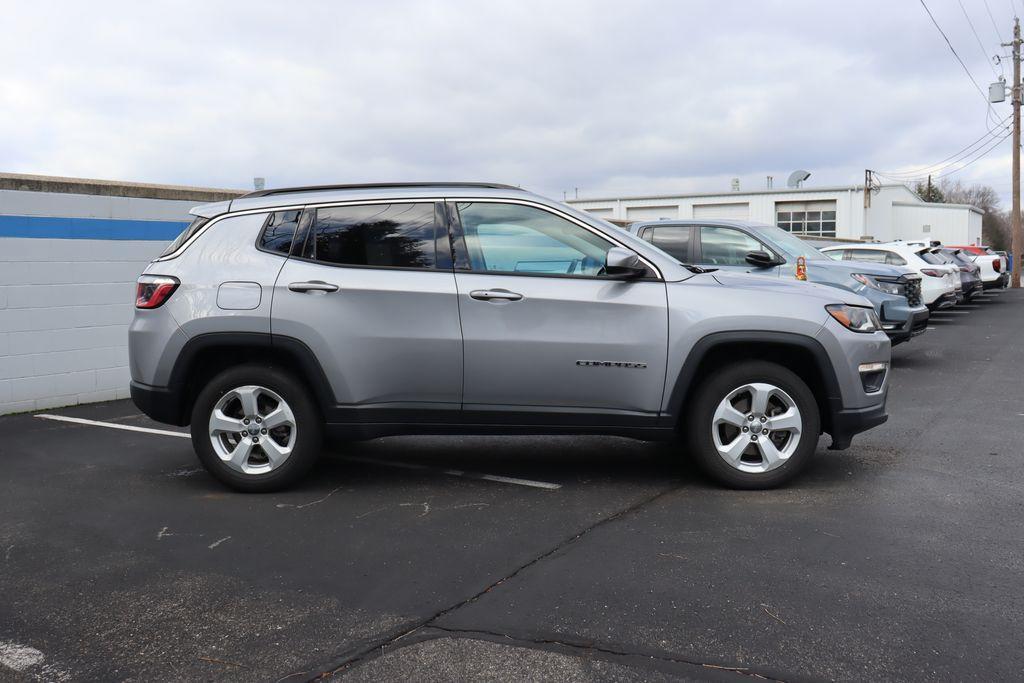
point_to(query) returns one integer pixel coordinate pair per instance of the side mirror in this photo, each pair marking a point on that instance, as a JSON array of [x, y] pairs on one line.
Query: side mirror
[[761, 259], [623, 263]]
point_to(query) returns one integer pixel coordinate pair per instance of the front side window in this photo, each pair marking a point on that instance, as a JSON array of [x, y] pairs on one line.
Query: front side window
[[726, 246], [674, 240], [279, 231], [379, 235], [512, 238], [835, 255]]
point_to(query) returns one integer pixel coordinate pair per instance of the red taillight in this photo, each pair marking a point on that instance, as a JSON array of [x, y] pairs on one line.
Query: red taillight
[[997, 265], [153, 290], [933, 272]]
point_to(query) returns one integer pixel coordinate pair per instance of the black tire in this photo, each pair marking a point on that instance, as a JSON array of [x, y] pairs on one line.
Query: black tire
[[698, 424], [308, 427]]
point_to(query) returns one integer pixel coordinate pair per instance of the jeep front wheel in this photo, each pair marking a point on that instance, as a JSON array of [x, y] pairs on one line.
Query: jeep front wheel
[[753, 425]]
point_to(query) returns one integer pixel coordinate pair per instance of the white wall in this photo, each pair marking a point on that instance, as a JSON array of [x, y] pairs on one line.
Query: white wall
[[896, 212], [65, 306]]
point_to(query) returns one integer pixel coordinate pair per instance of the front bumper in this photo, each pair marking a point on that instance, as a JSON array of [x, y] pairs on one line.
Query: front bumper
[[915, 324], [850, 422]]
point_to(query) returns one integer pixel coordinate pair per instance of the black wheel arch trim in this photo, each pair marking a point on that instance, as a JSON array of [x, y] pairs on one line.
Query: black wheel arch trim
[[170, 404], [684, 383]]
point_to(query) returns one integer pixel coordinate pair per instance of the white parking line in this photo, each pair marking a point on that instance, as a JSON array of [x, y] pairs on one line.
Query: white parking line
[[457, 473], [114, 425], [374, 461]]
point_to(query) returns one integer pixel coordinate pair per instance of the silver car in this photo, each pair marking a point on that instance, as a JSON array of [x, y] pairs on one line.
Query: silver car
[[372, 310]]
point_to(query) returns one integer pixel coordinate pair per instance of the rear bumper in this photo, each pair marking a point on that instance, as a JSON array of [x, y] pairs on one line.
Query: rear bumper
[[999, 283], [159, 403], [848, 423], [945, 301]]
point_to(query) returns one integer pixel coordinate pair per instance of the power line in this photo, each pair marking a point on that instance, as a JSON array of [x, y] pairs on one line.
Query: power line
[[994, 24], [999, 35], [985, 153], [984, 96], [948, 161], [968, 160], [977, 38]]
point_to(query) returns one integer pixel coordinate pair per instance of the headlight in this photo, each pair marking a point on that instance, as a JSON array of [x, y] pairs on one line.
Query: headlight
[[880, 284], [855, 318]]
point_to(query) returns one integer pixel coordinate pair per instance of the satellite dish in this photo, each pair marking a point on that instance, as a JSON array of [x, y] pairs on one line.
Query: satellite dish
[[796, 178]]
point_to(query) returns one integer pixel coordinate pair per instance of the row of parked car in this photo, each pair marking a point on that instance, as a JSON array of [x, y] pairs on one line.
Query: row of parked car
[[904, 280]]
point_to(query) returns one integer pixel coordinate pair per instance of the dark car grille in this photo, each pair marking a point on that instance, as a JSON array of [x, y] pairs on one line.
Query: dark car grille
[[914, 292]]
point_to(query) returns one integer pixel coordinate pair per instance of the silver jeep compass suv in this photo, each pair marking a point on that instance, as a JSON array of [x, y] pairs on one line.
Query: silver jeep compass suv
[[372, 310]]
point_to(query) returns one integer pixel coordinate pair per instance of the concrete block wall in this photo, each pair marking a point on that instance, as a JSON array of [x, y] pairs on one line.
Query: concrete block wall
[[71, 250], [65, 306]]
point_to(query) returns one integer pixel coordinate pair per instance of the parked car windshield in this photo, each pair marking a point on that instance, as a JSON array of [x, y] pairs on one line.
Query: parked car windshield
[[791, 244], [934, 259]]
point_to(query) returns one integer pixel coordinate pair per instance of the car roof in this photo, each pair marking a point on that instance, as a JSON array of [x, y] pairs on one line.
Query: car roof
[[731, 222], [323, 194]]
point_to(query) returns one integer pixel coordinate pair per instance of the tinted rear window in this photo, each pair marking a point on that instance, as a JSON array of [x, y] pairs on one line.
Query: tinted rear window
[[279, 231], [381, 235], [197, 223]]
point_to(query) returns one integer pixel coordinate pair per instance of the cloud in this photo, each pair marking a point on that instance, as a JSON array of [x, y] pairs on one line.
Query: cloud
[[604, 96]]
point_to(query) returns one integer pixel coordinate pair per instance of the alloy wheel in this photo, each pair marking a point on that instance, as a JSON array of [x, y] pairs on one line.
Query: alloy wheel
[[756, 427], [252, 429]]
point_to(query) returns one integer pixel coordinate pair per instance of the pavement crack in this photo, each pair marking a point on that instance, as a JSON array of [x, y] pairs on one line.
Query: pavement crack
[[379, 646], [582, 647], [312, 502]]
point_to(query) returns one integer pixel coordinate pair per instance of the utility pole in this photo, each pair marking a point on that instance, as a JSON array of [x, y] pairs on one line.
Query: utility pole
[[1016, 242]]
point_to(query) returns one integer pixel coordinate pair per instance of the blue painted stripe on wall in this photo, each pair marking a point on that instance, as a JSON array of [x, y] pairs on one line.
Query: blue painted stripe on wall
[[48, 227]]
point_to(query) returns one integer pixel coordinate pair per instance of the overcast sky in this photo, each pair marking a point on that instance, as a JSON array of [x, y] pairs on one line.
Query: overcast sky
[[631, 96]]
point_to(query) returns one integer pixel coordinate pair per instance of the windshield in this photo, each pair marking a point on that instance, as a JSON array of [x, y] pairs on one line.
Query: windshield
[[931, 258], [792, 245]]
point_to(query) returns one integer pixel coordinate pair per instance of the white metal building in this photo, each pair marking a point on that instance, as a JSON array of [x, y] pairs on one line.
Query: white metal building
[[895, 212]]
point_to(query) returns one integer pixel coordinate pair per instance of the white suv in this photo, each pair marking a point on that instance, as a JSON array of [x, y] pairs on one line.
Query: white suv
[[940, 282]]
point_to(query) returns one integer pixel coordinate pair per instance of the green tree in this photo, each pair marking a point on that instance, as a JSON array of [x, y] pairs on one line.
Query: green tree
[[930, 193]]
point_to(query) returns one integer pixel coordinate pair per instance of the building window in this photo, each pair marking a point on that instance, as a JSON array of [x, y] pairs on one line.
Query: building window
[[817, 219]]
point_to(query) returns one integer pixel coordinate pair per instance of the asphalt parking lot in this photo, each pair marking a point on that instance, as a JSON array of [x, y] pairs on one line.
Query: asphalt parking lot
[[556, 559]]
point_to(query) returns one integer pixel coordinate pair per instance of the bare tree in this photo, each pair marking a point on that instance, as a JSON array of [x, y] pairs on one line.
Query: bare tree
[[995, 224]]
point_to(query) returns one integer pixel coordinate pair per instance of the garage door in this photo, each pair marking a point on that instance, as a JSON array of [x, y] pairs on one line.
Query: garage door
[[736, 211], [651, 213]]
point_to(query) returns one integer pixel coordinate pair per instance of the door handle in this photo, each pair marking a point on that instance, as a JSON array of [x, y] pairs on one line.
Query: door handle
[[495, 295], [312, 286]]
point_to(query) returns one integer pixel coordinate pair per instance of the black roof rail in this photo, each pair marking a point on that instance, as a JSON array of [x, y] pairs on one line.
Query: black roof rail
[[372, 186]]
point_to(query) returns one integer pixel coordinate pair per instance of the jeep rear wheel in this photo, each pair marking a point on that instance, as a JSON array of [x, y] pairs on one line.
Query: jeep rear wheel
[[256, 428], [753, 425]]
